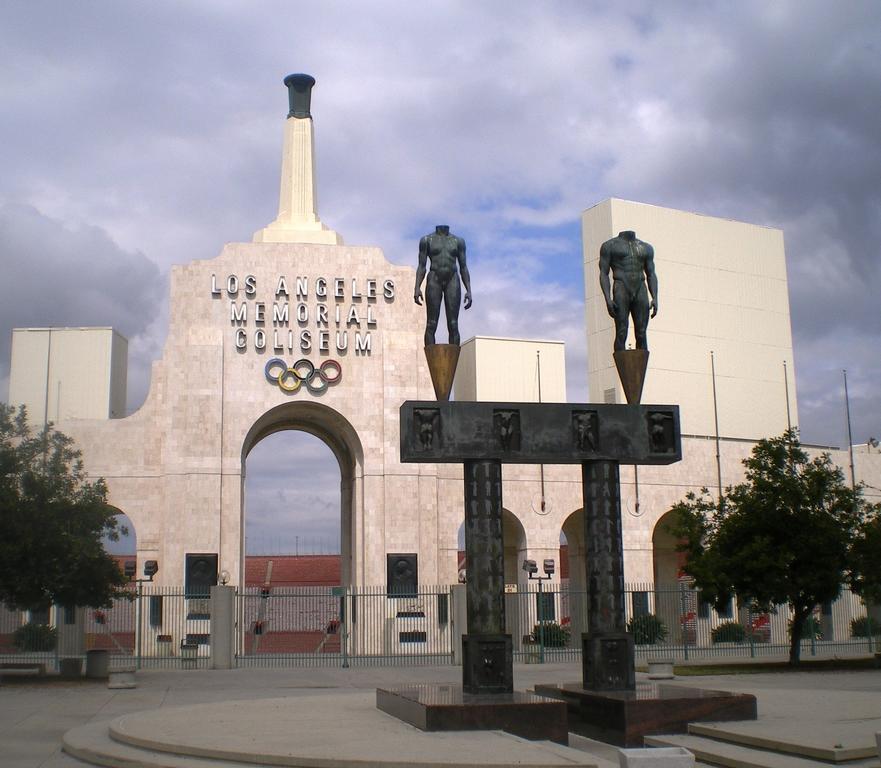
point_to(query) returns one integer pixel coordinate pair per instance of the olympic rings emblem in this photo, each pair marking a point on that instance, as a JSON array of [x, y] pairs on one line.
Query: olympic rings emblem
[[290, 379]]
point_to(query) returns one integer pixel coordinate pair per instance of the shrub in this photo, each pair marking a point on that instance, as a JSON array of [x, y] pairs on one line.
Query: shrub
[[647, 629], [729, 632], [865, 626], [34, 637], [809, 629], [555, 636]]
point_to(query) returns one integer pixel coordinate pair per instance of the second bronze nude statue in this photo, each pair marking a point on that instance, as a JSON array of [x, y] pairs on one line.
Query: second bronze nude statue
[[632, 264], [446, 252]]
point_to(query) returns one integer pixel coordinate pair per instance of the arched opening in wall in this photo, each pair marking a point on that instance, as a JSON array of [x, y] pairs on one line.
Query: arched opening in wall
[[107, 628], [301, 497], [125, 544], [573, 565], [666, 561], [300, 465], [292, 518], [667, 566], [514, 537]]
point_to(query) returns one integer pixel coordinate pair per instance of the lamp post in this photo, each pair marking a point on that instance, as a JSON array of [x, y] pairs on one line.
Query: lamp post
[[151, 568], [532, 571]]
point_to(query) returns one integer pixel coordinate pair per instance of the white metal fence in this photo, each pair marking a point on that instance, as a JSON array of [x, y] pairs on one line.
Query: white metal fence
[[165, 627]]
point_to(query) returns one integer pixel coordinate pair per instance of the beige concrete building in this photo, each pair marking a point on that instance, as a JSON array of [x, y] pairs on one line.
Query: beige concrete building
[[68, 373], [516, 370], [722, 290]]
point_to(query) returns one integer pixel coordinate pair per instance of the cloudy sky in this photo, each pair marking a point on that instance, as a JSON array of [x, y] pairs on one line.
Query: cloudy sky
[[136, 136]]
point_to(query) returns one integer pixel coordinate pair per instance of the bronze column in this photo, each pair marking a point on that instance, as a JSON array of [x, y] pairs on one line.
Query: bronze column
[[487, 664], [608, 653]]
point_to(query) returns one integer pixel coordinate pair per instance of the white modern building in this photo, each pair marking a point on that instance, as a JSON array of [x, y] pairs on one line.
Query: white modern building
[[68, 373], [723, 303], [512, 370]]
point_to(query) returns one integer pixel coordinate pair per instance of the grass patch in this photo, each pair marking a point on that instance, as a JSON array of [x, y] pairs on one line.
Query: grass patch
[[758, 667]]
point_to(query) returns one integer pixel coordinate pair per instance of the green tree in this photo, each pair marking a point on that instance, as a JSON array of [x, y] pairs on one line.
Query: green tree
[[52, 521], [865, 576], [784, 535]]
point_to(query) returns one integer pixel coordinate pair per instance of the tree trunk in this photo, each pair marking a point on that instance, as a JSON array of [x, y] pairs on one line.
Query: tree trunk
[[798, 621]]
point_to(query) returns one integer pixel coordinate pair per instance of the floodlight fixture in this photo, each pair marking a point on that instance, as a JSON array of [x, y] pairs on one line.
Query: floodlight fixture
[[530, 567], [548, 566], [130, 568], [151, 568]]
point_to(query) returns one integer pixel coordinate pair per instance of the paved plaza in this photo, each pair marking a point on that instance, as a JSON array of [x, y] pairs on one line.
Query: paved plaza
[[822, 708]]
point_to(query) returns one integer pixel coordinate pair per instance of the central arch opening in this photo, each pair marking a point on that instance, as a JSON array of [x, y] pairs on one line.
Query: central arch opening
[[301, 465], [292, 497]]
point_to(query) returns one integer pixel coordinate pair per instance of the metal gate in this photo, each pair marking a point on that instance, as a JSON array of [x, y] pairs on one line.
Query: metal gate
[[343, 626]]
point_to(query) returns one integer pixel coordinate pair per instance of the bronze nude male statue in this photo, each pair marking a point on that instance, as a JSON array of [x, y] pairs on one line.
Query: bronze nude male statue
[[632, 263], [447, 255]]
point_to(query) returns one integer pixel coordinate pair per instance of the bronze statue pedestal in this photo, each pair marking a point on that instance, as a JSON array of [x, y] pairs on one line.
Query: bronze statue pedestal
[[631, 365], [442, 361]]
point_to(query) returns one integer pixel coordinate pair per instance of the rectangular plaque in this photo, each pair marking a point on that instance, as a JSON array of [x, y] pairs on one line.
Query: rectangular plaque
[[487, 664], [608, 661], [200, 574], [402, 574]]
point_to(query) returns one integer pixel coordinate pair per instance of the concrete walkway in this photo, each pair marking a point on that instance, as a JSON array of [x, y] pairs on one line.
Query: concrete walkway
[[815, 707]]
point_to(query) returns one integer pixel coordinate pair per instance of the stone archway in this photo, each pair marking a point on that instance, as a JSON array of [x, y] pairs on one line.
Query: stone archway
[[338, 434], [573, 530], [514, 536], [666, 561]]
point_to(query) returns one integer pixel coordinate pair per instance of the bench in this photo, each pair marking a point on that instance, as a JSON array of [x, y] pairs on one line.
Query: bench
[[36, 668]]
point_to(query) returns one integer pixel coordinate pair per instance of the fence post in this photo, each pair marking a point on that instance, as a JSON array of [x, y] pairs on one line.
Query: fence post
[[751, 635], [345, 594], [683, 625], [139, 623], [222, 627]]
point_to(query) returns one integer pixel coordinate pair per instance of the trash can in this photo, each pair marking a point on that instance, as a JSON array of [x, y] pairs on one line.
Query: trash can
[[70, 667], [97, 664]]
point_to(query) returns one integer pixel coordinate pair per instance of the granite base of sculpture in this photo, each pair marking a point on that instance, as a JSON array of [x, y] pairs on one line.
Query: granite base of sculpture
[[625, 717]]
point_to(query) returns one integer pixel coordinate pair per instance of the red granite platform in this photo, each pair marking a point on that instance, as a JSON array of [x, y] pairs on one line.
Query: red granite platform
[[436, 707], [623, 718]]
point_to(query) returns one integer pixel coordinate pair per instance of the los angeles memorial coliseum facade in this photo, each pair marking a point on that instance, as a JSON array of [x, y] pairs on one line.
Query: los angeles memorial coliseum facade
[[239, 322]]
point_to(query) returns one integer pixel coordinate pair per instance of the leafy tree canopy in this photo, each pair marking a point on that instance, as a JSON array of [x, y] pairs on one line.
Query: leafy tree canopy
[[52, 521], [784, 535], [866, 560]]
